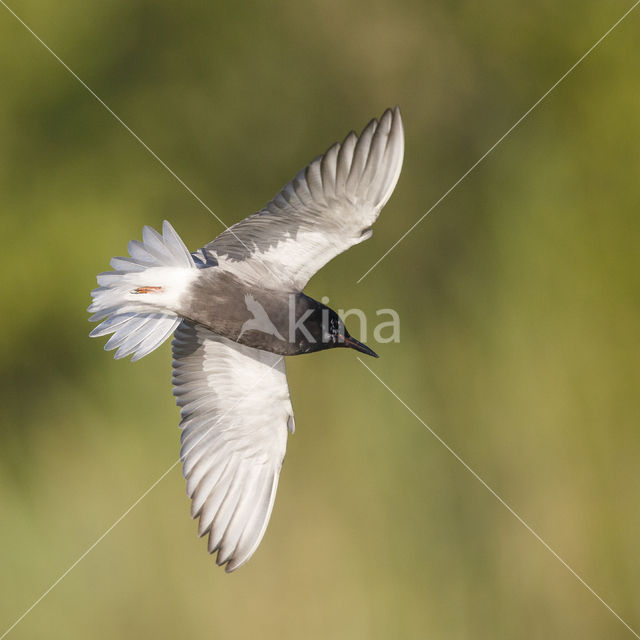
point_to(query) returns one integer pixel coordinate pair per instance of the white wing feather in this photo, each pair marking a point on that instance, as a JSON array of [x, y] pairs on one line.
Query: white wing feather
[[235, 408], [327, 208]]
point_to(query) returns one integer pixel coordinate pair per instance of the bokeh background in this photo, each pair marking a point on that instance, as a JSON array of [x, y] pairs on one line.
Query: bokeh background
[[518, 296]]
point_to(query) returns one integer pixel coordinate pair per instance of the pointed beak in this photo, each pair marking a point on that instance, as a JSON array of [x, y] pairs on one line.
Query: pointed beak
[[348, 341]]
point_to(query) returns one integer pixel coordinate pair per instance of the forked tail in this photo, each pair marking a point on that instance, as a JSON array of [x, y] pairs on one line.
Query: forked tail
[[140, 299]]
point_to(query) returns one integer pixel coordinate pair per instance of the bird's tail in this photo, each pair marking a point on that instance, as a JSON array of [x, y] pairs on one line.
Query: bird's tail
[[140, 298]]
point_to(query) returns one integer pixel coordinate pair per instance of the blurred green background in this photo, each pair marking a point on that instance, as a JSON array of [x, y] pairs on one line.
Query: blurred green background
[[518, 296]]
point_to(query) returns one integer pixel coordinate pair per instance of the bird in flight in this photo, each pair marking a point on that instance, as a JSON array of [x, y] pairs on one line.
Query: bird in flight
[[260, 320], [235, 308]]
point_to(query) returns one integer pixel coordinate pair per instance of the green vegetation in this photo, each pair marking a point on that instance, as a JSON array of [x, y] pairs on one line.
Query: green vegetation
[[518, 298]]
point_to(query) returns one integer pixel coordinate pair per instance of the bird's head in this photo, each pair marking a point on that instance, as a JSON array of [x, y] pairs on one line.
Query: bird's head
[[338, 336], [326, 330]]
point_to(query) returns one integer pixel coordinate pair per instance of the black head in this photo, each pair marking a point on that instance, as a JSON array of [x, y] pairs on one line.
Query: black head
[[322, 328]]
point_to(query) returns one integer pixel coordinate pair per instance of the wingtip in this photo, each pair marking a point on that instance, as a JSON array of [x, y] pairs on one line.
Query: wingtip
[[235, 563], [230, 567], [228, 563], [167, 228], [393, 115], [397, 117], [393, 112]]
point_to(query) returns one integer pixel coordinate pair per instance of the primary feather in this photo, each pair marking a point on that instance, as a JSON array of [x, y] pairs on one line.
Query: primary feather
[[327, 208], [235, 407]]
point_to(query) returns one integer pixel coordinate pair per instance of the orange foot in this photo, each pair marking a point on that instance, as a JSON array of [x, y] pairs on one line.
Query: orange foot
[[147, 290]]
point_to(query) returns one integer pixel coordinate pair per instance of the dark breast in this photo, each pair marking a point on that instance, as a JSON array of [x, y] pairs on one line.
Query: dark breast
[[249, 315]]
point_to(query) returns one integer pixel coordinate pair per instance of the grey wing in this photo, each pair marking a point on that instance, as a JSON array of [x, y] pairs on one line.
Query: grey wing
[[235, 411], [327, 208]]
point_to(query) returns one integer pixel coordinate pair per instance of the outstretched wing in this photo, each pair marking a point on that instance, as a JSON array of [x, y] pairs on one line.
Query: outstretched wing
[[253, 305], [327, 208], [235, 410]]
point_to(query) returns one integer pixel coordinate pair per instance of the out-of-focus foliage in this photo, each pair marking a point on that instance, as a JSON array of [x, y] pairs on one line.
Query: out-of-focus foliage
[[518, 296]]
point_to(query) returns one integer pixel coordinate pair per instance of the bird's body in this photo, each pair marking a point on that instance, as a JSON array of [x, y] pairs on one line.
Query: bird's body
[[237, 307], [260, 321], [250, 314]]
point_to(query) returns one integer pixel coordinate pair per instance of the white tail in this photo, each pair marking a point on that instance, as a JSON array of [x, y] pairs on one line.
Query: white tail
[[140, 297]]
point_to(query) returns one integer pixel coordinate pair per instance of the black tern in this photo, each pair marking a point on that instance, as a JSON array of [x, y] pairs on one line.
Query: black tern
[[236, 308]]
